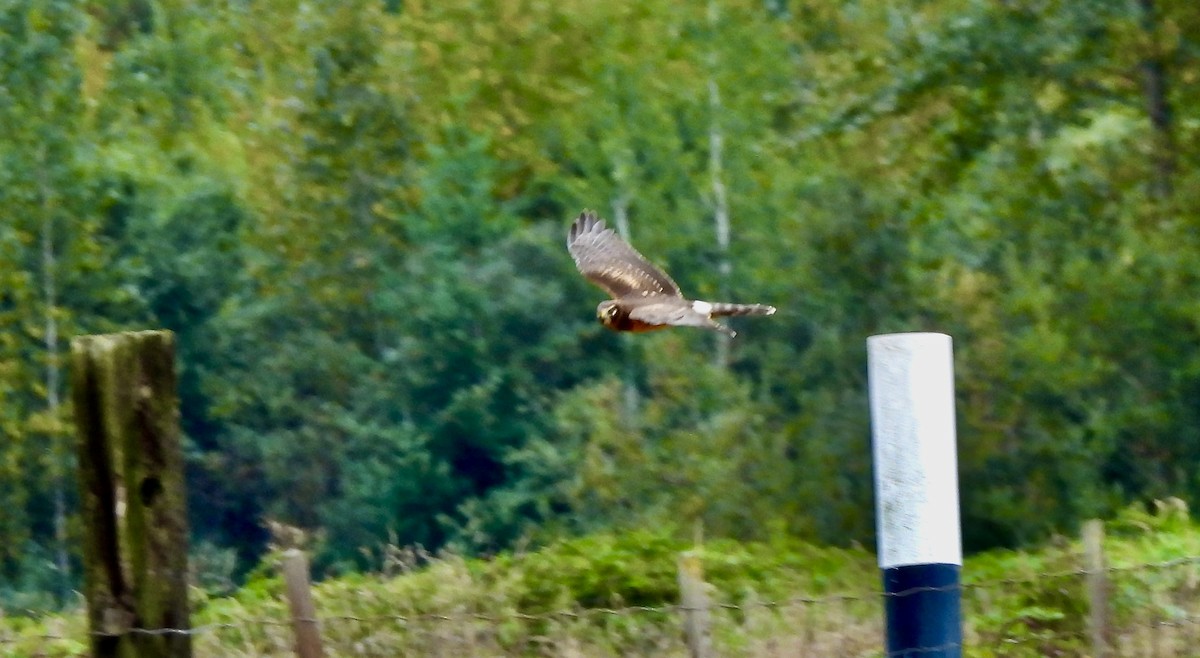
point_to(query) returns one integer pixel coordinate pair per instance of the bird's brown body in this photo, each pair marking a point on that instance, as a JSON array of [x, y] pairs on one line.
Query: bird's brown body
[[621, 321], [644, 298]]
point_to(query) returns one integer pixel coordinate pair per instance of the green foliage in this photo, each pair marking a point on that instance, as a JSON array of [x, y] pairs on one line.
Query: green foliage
[[601, 571], [1041, 604], [612, 594], [352, 215]]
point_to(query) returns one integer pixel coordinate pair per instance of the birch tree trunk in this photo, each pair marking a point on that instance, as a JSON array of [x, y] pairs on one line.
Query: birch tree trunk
[[53, 374], [716, 145], [620, 206]]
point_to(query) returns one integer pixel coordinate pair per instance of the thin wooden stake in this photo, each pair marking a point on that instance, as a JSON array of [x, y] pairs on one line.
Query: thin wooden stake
[[304, 613], [131, 494], [694, 599], [1097, 586]]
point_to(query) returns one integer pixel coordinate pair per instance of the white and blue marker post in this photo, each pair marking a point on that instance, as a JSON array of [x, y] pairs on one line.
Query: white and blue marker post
[[911, 379]]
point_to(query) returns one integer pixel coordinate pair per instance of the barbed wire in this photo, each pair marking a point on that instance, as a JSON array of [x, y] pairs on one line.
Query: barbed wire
[[924, 650], [1040, 638], [9, 639]]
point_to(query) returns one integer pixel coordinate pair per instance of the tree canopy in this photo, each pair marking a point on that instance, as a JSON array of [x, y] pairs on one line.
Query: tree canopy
[[353, 215]]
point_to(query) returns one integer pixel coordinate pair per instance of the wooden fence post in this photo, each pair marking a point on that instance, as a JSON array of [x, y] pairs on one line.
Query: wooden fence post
[[1097, 585], [697, 628], [304, 613], [131, 493]]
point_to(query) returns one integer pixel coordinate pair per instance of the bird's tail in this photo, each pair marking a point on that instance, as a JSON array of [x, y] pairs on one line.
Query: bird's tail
[[720, 310]]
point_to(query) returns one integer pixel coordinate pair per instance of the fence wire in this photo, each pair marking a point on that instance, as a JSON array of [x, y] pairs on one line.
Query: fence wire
[[1042, 614]]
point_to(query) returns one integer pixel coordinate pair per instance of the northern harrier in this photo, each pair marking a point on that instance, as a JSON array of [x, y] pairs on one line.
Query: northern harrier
[[644, 298]]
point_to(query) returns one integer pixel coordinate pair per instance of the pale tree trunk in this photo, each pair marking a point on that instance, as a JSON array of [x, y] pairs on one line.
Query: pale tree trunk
[[622, 163], [53, 375], [1158, 106], [620, 207], [716, 144]]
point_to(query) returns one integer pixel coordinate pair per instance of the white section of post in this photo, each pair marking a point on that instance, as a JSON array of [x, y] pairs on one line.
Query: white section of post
[[911, 379]]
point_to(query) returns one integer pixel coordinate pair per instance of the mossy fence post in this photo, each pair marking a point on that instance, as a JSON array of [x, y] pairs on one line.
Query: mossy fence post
[[132, 494]]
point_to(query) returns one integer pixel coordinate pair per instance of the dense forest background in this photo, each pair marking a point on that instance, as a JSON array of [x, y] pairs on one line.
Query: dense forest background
[[353, 215]]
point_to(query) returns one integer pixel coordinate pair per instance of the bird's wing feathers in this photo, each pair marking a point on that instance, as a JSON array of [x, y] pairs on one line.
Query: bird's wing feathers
[[677, 313], [668, 312], [608, 261]]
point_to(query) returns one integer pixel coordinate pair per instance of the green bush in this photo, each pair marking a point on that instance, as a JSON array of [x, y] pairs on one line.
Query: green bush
[[614, 594]]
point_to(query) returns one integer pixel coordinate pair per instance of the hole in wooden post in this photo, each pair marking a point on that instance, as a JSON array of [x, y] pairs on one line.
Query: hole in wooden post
[[149, 490]]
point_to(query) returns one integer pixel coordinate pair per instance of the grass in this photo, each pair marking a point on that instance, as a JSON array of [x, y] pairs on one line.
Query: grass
[[610, 595]]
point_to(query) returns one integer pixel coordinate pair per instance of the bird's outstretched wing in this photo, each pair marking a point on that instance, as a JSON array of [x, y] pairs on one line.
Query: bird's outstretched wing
[[610, 262]]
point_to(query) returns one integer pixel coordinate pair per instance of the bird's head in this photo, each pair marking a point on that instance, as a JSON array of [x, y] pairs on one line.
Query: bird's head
[[607, 313]]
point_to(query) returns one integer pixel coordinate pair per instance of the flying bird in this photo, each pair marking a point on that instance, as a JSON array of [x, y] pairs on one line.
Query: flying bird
[[644, 298]]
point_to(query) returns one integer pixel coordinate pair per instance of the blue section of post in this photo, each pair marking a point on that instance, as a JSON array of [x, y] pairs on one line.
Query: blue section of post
[[924, 615]]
